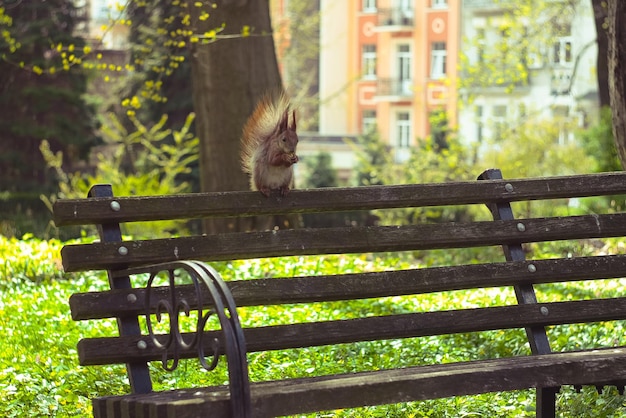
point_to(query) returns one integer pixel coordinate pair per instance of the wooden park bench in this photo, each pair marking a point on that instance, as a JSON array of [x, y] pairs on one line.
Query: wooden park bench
[[140, 340]]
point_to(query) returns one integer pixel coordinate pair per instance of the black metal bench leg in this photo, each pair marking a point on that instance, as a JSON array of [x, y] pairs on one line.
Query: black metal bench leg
[[537, 336], [546, 402], [138, 372]]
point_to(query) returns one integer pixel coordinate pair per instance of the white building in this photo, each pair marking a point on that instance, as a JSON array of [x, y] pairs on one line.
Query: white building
[[561, 73], [104, 24]]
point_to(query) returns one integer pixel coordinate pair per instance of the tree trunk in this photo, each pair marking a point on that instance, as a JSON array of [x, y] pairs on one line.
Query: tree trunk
[[617, 72], [600, 15], [228, 77]]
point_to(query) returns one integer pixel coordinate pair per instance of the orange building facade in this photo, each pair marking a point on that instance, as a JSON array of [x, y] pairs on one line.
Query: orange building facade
[[383, 64], [388, 64]]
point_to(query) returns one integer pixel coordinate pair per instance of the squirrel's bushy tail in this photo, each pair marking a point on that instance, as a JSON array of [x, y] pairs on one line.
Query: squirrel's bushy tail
[[261, 125]]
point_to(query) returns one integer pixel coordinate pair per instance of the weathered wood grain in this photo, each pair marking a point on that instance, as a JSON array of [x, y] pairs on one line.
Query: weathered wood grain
[[297, 396], [364, 239], [227, 204], [273, 291], [121, 349]]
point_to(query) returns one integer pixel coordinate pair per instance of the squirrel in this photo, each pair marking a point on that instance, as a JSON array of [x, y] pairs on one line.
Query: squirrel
[[268, 145]]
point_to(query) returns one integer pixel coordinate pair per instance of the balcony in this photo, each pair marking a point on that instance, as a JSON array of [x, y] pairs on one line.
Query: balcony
[[394, 20], [487, 4], [561, 81], [394, 89]]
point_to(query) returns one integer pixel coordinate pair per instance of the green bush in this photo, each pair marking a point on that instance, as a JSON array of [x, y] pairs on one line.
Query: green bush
[[145, 161], [39, 372], [40, 376], [527, 147]]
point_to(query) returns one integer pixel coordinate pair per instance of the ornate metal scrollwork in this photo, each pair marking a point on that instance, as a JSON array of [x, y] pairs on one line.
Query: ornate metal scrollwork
[[205, 280]]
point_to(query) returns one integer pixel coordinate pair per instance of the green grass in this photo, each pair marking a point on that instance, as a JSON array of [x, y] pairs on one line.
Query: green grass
[[40, 375]]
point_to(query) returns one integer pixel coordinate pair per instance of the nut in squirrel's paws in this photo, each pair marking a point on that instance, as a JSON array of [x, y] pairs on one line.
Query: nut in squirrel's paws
[[291, 157]]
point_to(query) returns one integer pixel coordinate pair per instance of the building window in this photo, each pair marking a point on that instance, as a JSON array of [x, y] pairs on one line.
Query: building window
[[499, 121], [403, 130], [404, 69], [438, 60], [562, 51], [369, 61], [405, 8], [368, 121], [480, 45], [439, 4], [369, 6]]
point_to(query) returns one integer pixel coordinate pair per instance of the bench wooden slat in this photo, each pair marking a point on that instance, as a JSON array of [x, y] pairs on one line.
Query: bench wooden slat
[[119, 349], [226, 204], [99, 256], [304, 395], [109, 304], [296, 396]]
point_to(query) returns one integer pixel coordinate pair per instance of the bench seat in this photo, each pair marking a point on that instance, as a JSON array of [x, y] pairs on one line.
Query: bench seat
[[304, 395]]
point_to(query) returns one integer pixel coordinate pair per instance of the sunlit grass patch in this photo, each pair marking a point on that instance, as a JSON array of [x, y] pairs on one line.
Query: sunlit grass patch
[[40, 376]]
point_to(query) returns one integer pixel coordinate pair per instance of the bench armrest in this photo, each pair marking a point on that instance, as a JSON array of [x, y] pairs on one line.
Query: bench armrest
[[222, 304]]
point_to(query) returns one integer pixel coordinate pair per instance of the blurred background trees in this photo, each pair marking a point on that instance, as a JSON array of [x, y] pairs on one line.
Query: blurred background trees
[[49, 101], [185, 57]]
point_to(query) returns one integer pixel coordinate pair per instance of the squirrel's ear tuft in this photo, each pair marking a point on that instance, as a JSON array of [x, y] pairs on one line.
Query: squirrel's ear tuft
[[282, 125], [293, 121]]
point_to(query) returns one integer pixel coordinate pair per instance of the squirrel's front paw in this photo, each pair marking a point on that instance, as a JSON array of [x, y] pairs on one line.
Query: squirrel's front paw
[[284, 190], [291, 158]]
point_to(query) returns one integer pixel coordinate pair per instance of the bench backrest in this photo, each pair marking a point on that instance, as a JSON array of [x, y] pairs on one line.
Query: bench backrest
[[124, 258]]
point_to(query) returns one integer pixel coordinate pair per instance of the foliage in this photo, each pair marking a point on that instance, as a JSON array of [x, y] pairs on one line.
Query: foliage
[[431, 162], [297, 41], [141, 162], [160, 80], [598, 142], [162, 36], [155, 17], [51, 105], [503, 52], [6, 22], [320, 172], [28, 260], [41, 97], [537, 148], [39, 374], [526, 147], [439, 157], [373, 157]]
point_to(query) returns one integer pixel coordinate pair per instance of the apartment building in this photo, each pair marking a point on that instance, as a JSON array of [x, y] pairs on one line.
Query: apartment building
[[388, 64], [560, 78], [391, 63]]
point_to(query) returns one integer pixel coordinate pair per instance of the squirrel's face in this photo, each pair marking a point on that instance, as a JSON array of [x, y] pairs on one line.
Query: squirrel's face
[[288, 141]]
